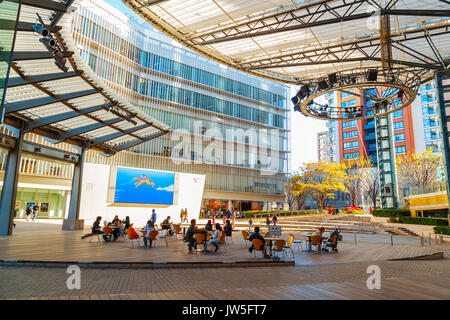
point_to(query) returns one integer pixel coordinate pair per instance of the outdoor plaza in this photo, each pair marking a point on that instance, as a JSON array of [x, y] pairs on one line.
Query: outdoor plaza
[[163, 114], [168, 271]]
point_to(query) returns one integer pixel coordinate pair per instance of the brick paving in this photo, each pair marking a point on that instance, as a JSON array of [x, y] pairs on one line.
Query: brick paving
[[400, 280]]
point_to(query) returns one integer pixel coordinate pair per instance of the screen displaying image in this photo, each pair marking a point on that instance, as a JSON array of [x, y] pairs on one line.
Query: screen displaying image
[[144, 186]]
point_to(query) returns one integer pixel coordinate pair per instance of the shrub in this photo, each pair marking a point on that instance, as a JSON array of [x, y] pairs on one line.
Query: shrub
[[353, 211], [391, 213], [442, 229], [423, 221], [252, 213]]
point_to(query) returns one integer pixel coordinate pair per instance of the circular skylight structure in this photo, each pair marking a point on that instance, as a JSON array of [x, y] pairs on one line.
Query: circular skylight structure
[[368, 93]]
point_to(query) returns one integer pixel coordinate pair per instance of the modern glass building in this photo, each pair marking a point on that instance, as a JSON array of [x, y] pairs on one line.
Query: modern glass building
[[230, 126]]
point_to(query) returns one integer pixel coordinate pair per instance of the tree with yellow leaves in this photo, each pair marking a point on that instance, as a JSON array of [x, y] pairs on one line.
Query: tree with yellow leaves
[[418, 169], [356, 170], [321, 180], [295, 190]]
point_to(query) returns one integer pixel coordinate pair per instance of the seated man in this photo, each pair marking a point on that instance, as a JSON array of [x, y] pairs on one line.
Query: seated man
[[165, 225], [255, 235], [189, 236]]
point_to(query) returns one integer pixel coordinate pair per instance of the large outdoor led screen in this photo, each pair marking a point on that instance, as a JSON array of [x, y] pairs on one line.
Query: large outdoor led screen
[[144, 186]]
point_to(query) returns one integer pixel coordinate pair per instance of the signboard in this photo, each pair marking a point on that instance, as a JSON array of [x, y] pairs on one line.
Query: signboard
[[275, 230], [143, 186]]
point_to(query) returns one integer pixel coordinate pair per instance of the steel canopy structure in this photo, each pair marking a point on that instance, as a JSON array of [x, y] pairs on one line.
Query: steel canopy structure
[[294, 41], [71, 105], [52, 92]]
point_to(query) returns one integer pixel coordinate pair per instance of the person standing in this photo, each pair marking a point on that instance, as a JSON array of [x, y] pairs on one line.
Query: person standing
[[181, 215], [186, 215], [268, 221], [35, 212], [29, 211], [275, 219], [250, 224], [154, 216]]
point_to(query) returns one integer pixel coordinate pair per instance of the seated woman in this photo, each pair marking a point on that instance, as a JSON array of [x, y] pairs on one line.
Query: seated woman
[[116, 231], [126, 223], [96, 229], [148, 228], [228, 228], [216, 236], [208, 226]]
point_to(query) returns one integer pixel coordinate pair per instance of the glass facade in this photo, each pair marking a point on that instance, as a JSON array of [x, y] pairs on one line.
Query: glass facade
[[245, 117]]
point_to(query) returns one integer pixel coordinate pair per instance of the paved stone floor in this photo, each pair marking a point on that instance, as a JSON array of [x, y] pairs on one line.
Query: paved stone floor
[[399, 280], [316, 275]]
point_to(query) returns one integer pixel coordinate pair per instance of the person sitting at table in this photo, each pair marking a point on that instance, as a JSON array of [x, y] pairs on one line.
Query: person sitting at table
[[126, 223], [256, 235], [228, 228], [208, 226], [150, 226], [117, 224], [216, 237], [189, 236], [165, 225], [96, 229], [319, 232]]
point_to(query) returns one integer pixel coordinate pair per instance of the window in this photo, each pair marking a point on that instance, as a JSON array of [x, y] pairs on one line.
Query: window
[[399, 137], [352, 155], [348, 103], [400, 150], [350, 134], [398, 114], [398, 125], [351, 145], [346, 95], [349, 124]]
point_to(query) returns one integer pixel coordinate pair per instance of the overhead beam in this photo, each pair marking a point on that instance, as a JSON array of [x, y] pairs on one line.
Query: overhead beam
[[84, 129], [40, 122], [19, 81], [115, 135], [35, 55], [38, 102], [421, 13], [133, 143], [46, 4], [49, 152], [7, 142]]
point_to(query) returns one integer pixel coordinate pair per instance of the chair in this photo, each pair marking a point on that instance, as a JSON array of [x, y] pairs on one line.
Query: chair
[[200, 238], [315, 241], [152, 235], [257, 245], [279, 246], [222, 241], [93, 234], [331, 243], [178, 233], [245, 236], [288, 245], [131, 238], [164, 236], [107, 231], [296, 242]]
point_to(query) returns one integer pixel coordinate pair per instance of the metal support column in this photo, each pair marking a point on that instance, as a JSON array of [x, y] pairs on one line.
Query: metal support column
[[9, 190], [442, 81], [386, 162], [73, 222]]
